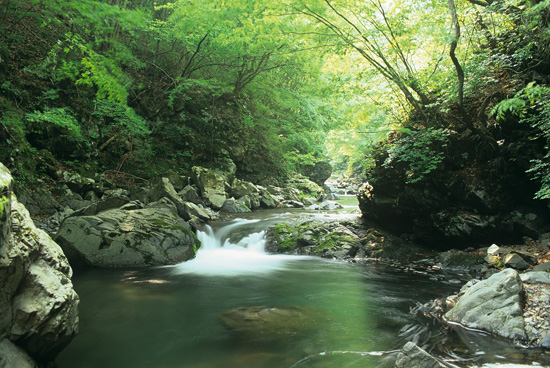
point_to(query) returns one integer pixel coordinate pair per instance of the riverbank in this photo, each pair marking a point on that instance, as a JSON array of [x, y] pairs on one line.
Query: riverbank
[[313, 232]]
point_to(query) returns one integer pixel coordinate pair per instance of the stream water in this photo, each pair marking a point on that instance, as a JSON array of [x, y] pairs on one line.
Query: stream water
[[168, 317]]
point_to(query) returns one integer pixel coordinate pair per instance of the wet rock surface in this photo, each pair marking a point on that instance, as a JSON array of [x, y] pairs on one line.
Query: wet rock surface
[[133, 235], [38, 303], [494, 305], [411, 356]]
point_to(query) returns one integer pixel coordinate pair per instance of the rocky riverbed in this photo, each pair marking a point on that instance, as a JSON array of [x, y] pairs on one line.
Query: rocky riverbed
[[92, 218]]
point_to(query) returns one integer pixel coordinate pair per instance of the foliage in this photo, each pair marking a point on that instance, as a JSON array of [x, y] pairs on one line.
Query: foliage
[[420, 150], [3, 201], [121, 117], [532, 106], [275, 86], [58, 117]]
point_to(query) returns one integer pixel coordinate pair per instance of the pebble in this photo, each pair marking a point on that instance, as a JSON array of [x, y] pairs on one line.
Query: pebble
[[536, 313]]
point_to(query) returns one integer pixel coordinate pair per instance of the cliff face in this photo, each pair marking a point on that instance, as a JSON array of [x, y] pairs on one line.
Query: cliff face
[[39, 307], [475, 194]]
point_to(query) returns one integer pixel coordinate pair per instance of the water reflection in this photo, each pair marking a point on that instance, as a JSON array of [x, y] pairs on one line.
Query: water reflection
[[170, 316]]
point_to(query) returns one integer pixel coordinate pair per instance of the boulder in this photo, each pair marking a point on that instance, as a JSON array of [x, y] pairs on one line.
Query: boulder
[[330, 206], [494, 305], [133, 237], [204, 214], [12, 356], [291, 194], [39, 202], [163, 188], [38, 303], [211, 186], [234, 206], [411, 356], [515, 261], [461, 261], [542, 267], [307, 186], [536, 277], [77, 183], [267, 200], [251, 201], [292, 204], [189, 194], [328, 239], [240, 188], [332, 197]]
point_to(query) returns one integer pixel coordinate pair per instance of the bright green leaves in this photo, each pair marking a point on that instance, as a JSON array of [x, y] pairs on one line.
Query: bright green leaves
[[58, 117], [121, 117]]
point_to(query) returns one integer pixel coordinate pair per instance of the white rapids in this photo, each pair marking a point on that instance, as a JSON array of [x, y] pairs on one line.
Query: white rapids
[[218, 256]]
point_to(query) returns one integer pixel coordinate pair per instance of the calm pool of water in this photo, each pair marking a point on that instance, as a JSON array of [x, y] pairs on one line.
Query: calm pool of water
[[169, 317]]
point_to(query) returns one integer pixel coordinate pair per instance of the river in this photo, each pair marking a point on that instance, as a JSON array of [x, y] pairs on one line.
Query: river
[[169, 317]]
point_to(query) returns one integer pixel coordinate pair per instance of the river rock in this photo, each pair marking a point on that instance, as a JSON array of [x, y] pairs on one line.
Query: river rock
[[240, 188], [515, 261], [154, 235], [330, 206], [493, 305], [536, 277], [542, 267], [211, 186], [234, 206], [328, 239], [197, 211], [163, 188], [267, 200], [269, 324], [189, 194], [411, 356], [12, 356], [307, 186], [38, 303], [292, 204]]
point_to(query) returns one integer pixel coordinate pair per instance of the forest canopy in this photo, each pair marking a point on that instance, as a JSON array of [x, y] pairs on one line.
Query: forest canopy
[[278, 87]]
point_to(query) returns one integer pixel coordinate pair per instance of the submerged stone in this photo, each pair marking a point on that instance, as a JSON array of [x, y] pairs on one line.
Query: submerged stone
[[270, 324]]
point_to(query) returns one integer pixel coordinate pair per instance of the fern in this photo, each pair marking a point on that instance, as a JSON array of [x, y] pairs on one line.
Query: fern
[[55, 116]]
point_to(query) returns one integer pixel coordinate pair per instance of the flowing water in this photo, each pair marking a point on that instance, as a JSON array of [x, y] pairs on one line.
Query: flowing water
[[169, 317]]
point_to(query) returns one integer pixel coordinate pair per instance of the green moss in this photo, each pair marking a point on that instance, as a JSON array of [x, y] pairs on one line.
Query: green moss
[[3, 202]]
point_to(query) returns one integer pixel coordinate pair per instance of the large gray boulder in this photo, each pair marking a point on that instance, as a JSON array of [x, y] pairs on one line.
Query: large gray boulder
[[163, 188], [267, 200], [494, 305], [129, 236], [240, 188], [38, 303], [232, 205], [211, 186]]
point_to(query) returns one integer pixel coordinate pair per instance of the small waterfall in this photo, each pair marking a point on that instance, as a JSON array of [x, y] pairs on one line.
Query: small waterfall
[[219, 255]]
